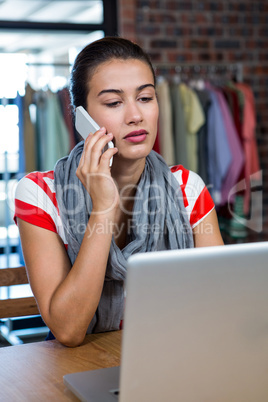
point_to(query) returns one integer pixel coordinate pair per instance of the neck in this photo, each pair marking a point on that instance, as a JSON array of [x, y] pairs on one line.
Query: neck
[[127, 174]]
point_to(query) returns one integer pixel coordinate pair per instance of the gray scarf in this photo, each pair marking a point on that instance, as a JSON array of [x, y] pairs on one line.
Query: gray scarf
[[159, 222]]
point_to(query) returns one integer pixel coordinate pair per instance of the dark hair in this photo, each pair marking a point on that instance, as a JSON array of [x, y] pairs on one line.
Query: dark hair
[[93, 55]]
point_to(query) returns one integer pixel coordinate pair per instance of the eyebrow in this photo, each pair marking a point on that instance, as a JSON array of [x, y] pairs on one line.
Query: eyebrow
[[120, 91]]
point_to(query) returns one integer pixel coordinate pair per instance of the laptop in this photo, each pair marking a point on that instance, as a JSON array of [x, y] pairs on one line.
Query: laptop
[[195, 329]]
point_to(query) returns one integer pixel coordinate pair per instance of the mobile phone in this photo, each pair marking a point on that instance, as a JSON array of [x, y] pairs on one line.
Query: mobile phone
[[84, 124]]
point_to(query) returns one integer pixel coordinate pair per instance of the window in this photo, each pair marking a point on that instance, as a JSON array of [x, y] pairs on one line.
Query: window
[[38, 43]]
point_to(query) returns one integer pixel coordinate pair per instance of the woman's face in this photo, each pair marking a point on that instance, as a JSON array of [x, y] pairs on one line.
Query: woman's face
[[122, 98]]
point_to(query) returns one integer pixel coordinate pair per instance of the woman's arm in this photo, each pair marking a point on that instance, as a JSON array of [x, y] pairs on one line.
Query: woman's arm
[[207, 232], [67, 298]]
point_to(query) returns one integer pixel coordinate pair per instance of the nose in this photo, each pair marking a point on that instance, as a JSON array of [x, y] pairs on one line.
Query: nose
[[133, 114]]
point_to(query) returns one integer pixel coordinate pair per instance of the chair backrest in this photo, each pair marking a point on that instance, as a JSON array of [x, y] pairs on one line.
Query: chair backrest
[[23, 306]]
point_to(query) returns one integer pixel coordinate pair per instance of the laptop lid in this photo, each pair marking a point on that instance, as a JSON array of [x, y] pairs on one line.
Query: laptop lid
[[195, 329], [196, 325]]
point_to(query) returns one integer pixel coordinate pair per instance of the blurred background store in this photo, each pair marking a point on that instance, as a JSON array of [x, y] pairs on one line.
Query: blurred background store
[[194, 45]]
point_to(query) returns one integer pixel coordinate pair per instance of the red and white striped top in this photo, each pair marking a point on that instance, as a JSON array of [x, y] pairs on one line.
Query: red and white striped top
[[35, 199]]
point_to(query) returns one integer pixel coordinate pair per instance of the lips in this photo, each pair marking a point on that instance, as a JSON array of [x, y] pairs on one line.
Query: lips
[[136, 134]]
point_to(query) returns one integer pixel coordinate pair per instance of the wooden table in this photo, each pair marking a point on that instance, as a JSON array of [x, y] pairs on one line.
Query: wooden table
[[34, 372]]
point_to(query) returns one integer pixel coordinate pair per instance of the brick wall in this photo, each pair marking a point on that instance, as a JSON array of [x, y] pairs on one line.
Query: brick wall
[[222, 31]]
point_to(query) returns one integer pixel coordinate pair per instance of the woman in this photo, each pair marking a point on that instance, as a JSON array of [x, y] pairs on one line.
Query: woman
[[79, 223]]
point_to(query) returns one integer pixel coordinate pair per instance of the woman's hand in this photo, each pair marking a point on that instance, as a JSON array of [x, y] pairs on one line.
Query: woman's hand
[[95, 174]]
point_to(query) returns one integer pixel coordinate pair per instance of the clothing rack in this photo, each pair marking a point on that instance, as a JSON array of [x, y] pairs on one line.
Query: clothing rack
[[49, 64], [200, 68], [48, 70]]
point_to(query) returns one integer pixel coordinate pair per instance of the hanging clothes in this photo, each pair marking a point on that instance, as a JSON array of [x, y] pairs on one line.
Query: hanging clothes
[[179, 127], [218, 142], [65, 104], [219, 153], [237, 160], [165, 122], [202, 136], [48, 128], [194, 119], [57, 141], [29, 134], [236, 105], [40, 99], [252, 164], [156, 146]]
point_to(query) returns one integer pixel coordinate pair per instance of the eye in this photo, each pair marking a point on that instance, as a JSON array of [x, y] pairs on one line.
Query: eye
[[113, 104], [145, 99]]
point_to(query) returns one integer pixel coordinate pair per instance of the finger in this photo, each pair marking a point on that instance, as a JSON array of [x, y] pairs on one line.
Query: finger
[[85, 156], [97, 150], [90, 142], [93, 138], [105, 158]]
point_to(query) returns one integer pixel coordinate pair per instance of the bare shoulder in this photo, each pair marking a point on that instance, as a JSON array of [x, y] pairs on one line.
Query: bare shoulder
[[46, 261], [207, 232]]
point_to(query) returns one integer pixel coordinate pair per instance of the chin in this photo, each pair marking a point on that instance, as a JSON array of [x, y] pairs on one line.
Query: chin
[[138, 152]]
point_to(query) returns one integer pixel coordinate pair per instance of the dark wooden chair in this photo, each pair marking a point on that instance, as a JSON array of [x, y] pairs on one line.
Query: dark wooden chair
[[24, 306], [22, 309]]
